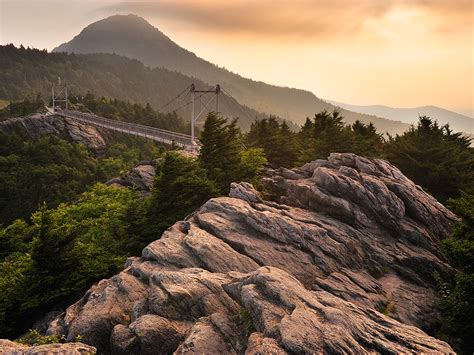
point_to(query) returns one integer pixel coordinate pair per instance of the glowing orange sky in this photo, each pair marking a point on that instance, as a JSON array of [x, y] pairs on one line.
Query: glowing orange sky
[[394, 52]]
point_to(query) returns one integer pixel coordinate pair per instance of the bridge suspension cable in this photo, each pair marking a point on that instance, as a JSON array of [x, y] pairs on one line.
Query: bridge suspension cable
[[139, 126], [229, 98], [204, 107], [175, 98]]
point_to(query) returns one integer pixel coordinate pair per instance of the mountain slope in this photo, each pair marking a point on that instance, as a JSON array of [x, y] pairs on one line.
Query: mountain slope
[[458, 122], [134, 37], [342, 262], [27, 72]]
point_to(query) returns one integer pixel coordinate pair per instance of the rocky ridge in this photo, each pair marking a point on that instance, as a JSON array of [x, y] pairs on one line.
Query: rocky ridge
[[38, 125], [340, 260]]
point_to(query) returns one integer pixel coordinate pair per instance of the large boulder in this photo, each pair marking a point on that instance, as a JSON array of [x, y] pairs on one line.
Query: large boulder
[[341, 260]]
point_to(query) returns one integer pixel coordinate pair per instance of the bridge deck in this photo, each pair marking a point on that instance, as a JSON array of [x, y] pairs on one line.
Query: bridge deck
[[156, 134]]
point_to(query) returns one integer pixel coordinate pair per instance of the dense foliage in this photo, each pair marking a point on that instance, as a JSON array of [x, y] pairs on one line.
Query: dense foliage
[[179, 179], [60, 253], [51, 170], [223, 156], [280, 144], [324, 134], [22, 108], [435, 157], [27, 72], [457, 297]]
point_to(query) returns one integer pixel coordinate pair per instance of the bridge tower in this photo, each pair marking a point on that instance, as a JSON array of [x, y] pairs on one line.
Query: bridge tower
[[216, 91], [57, 97]]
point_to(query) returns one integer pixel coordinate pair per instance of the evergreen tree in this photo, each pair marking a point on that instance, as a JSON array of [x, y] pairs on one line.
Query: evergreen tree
[[327, 134], [366, 140], [277, 141], [434, 157], [181, 185], [289, 147], [220, 151]]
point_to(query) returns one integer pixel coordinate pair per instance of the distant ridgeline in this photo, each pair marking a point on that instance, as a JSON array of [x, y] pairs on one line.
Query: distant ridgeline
[[133, 37], [28, 72]]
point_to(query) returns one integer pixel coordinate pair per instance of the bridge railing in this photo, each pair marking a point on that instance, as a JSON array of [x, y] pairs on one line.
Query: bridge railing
[[157, 134]]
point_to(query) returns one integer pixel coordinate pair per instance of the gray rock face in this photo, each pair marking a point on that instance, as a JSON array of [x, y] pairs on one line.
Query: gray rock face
[[140, 177], [38, 125], [341, 262]]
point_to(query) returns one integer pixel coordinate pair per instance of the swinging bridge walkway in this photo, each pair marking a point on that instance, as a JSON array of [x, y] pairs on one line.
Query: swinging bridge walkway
[[157, 134], [185, 141]]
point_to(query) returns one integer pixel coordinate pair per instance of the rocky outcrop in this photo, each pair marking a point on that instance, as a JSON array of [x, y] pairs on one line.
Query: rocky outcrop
[[11, 348], [340, 260], [38, 125], [140, 177]]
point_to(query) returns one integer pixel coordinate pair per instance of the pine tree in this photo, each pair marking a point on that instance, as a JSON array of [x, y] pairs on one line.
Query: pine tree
[[220, 151], [326, 135], [366, 140], [181, 180], [287, 146]]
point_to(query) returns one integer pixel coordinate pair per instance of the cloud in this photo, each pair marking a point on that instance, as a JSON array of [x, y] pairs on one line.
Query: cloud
[[306, 19], [276, 18], [450, 16]]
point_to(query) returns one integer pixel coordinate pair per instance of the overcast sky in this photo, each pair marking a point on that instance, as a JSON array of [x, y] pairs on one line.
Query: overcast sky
[[401, 53]]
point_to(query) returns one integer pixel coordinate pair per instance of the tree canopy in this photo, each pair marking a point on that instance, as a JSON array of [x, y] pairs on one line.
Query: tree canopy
[[223, 155], [457, 296], [435, 157]]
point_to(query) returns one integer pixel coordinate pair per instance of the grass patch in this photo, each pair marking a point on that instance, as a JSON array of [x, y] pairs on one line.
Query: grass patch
[[389, 307], [33, 338], [247, 321]]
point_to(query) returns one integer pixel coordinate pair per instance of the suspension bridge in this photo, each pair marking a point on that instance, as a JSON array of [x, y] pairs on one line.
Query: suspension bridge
[[141, 129]]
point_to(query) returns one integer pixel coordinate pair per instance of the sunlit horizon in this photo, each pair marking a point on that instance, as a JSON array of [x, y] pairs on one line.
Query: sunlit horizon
[[395, 53]]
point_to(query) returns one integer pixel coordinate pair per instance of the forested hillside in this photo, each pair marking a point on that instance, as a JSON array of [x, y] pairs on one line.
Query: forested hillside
[[134, 37], [29, 72]]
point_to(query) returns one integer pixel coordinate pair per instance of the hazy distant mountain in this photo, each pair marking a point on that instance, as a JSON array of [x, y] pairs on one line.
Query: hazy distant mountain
[[27, 72], [410, 115], [134, 37]]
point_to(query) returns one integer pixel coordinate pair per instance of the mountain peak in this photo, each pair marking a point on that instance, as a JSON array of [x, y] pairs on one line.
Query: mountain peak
[[116, 34], [126, 23]]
